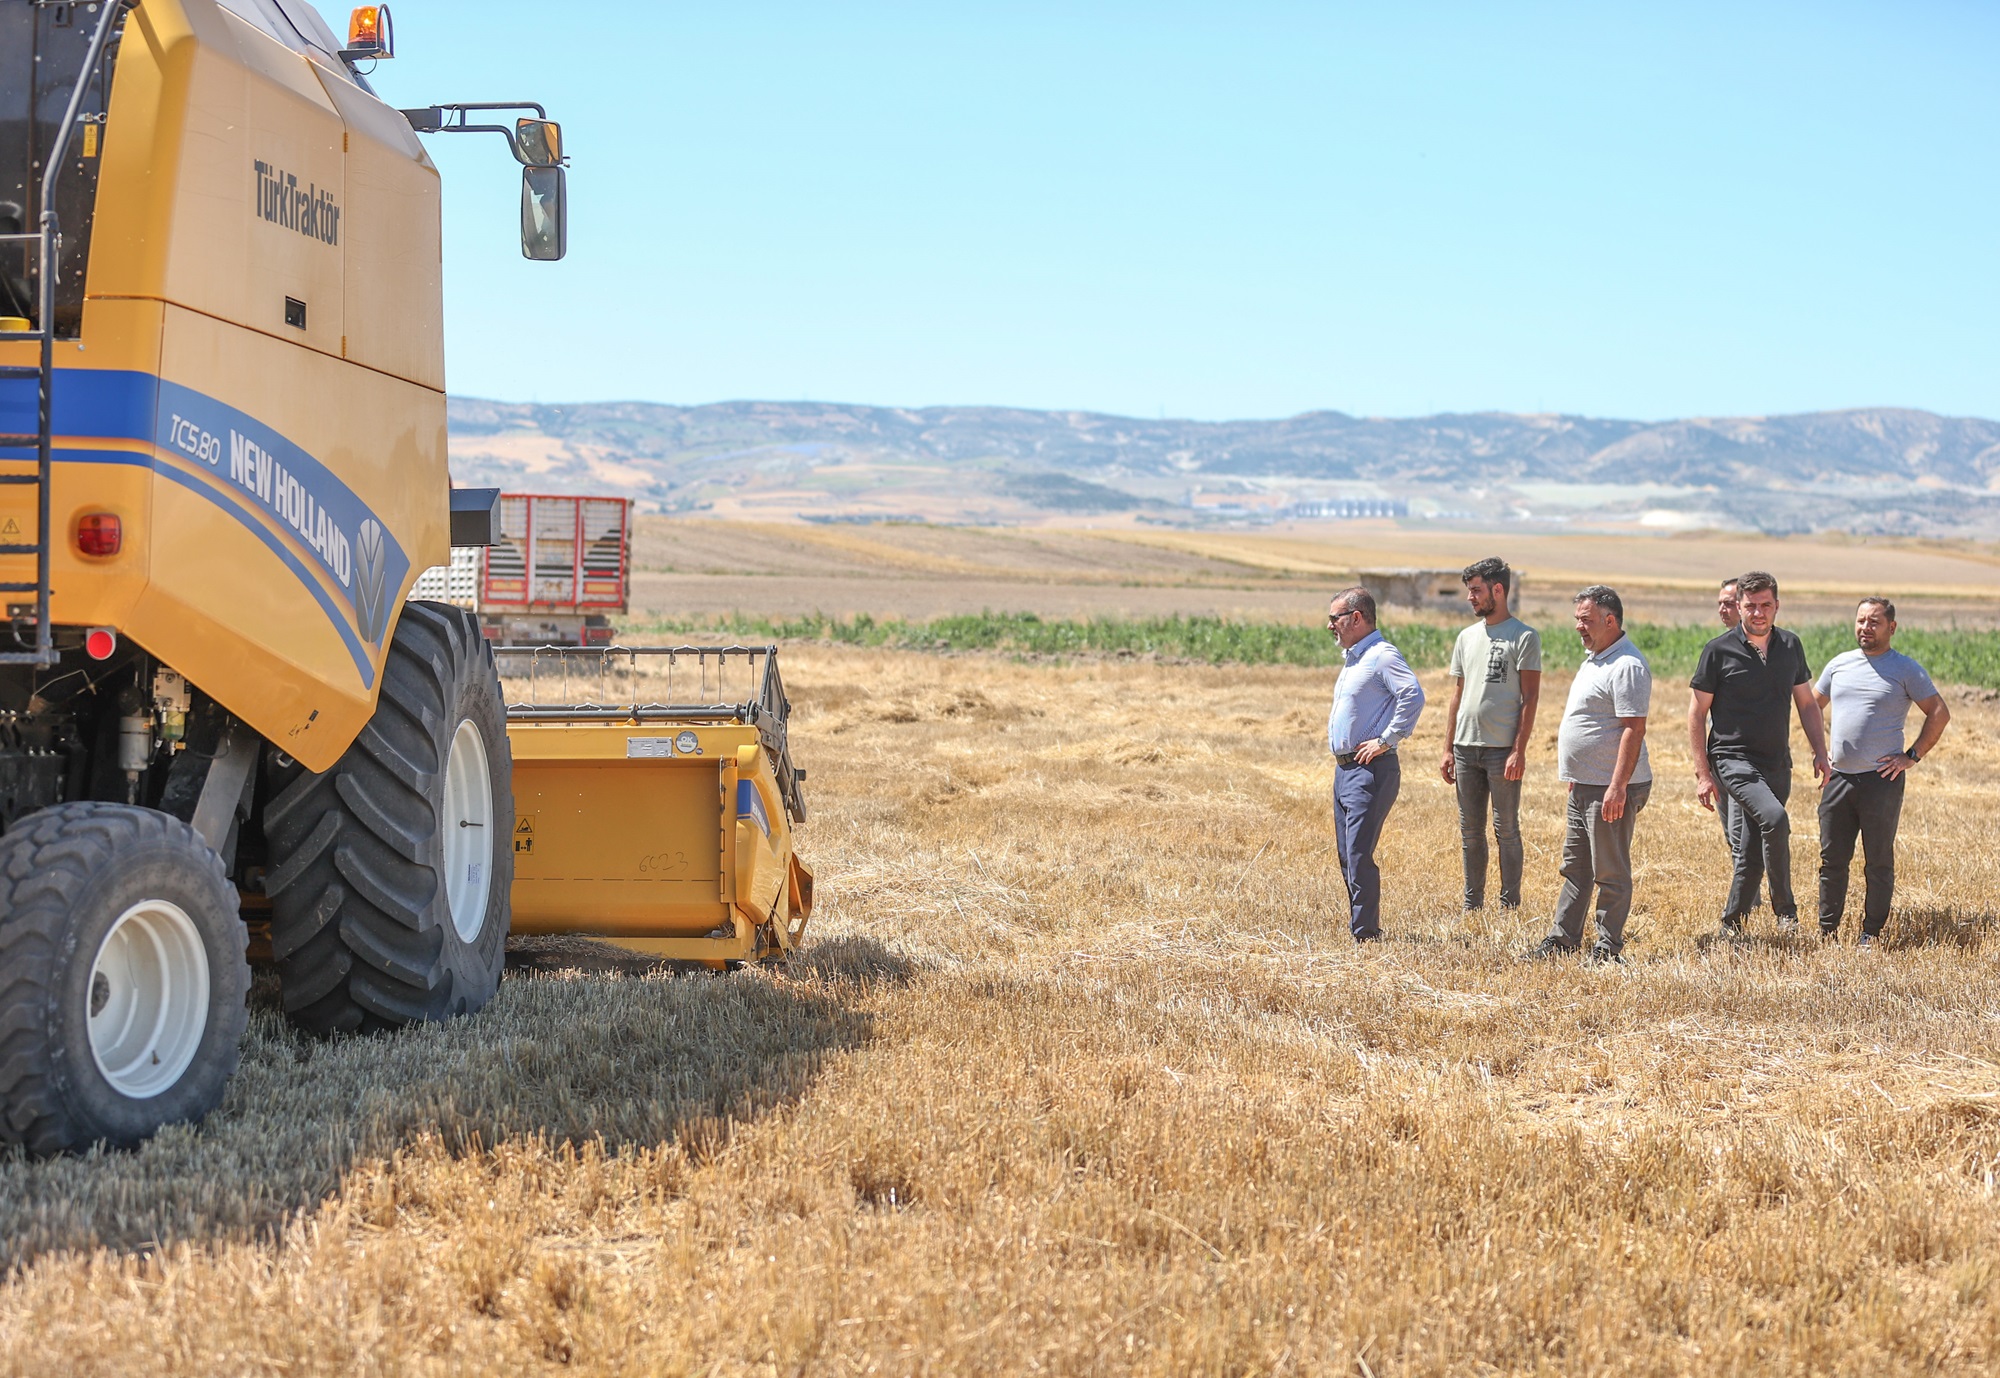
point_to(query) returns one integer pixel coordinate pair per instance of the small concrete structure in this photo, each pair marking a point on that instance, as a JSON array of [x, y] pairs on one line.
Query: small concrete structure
[[1424, 588]]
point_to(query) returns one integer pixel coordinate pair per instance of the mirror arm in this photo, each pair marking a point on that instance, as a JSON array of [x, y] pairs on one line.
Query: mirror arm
[[451, 119]]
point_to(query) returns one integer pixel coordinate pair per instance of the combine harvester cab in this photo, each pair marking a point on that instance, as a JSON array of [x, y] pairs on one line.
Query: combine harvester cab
[[654, 800]]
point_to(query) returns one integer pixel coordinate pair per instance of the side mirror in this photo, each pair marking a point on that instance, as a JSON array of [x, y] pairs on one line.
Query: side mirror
[[544, 214], [538, 143]]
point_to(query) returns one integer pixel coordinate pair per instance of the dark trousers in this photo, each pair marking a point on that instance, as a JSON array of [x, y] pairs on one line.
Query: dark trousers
[[1765, 856], [1362, 798], [1869, 807], [1597, 856], [1482, 777], [1731, 819]]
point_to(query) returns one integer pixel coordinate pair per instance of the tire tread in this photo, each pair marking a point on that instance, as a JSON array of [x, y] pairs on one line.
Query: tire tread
[[46, 862], [360, 922]]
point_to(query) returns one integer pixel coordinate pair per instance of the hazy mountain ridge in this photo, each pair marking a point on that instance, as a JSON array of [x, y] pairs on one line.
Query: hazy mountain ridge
[[687, 456]]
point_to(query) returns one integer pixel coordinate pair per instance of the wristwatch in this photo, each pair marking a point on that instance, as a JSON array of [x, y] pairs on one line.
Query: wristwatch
[[1911, 752]]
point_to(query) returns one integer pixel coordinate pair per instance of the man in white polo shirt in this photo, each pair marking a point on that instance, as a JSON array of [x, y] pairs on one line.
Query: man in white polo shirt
[[1601, 755], [1867, 694]]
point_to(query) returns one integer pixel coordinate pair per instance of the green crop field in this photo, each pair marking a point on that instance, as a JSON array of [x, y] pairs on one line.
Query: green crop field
[[1954, 657]]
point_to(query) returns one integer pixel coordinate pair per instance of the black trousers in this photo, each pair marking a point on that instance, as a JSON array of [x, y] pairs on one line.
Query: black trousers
[[1869, 807], [1759, 790]]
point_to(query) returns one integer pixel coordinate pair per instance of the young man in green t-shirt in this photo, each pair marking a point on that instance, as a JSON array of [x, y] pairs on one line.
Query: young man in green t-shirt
[[1496, 668]]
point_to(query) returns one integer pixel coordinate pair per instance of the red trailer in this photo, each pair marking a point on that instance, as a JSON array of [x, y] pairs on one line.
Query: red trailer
[[558, 569]]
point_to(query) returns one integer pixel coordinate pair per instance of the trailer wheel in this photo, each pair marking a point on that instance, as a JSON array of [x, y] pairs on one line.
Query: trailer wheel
[[390, 873], [122, 977]]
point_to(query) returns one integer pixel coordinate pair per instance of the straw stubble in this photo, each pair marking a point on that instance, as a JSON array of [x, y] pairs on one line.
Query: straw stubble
[[1080, 1073]]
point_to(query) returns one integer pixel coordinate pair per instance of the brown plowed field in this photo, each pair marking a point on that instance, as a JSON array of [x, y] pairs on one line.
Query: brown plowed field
[[687, 568]]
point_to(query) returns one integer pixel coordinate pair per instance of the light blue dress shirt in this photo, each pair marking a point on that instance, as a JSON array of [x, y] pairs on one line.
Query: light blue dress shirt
[[1377, 697]]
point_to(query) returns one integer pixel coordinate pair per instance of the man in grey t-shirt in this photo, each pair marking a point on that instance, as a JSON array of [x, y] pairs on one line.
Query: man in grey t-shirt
[[1867, 694], [1601, 755], [1496, 670]]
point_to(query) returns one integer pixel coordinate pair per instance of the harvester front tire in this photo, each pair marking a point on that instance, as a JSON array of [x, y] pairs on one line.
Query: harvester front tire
[[123, 982], [390, 873]]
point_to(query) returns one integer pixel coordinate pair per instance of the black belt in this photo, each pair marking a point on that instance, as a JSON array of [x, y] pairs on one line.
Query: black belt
[[1348, 758]]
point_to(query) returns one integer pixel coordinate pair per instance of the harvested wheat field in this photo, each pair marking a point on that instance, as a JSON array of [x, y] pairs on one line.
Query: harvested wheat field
[[1080, 1073]]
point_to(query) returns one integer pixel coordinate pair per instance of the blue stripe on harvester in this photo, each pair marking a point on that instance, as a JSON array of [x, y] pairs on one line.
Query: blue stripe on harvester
[[334, 612], [750, 804], [126, 405], [111, 404]]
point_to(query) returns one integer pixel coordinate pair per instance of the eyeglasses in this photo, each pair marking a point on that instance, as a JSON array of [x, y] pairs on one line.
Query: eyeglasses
[[1335, 618]]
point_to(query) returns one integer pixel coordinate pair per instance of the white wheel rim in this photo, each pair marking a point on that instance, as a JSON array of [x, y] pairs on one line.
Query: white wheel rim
[[468, 831], [148, 997]]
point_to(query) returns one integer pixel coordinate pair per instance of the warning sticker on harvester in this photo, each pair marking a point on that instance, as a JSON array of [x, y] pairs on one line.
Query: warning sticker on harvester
[[524, 833], [648, 748]]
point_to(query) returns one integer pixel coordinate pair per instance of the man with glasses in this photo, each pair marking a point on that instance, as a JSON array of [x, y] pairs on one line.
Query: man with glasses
[[1376, 701]]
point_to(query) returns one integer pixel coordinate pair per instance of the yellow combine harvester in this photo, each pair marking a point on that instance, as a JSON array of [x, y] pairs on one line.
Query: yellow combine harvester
[[222, 466]]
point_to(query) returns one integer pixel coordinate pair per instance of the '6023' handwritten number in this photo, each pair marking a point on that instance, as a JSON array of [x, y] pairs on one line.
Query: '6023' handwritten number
[[663, 863]]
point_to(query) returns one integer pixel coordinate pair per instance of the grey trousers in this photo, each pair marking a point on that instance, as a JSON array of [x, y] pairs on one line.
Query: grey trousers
[[1482, 778], [1597, 855]]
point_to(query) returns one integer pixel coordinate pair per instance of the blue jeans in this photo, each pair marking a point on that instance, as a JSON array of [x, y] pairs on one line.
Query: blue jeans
[[1362, 798], [1481, 772]]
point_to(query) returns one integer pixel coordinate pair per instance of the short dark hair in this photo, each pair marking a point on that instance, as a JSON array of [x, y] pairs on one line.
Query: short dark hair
[[1606, 598], [1358, 599], [1756, 581], [1492, 569], [1888, 608], [1728, 583]]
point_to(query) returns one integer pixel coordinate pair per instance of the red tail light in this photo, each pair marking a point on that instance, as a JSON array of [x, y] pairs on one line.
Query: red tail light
[[100, 643], [99, 533]]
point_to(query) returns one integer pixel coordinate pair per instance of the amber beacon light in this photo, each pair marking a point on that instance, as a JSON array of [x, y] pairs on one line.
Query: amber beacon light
[[370, 33], [99, 533]]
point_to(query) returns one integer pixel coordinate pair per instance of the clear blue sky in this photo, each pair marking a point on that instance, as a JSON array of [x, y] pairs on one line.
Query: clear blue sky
[[1237, 210]]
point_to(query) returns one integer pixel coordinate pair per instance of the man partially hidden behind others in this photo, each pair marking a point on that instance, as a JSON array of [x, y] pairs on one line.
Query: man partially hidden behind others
[[1376, 701], [1601, 755], [1496, 669], [1726, 812], [1740, 734], [1867, 694]]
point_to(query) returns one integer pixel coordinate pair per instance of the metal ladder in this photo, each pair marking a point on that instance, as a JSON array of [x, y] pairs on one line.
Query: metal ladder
[[48, 238]]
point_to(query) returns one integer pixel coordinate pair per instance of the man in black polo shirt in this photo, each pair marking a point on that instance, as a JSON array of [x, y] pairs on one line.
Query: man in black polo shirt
[[1740, 730]]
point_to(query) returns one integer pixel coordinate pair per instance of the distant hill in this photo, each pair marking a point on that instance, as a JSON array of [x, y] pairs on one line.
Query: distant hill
[[1871, 468]]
